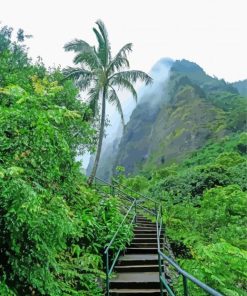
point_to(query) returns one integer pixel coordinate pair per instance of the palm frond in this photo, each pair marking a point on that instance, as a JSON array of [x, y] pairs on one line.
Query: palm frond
[[120, 61], [77, 45], [82, 77], [84, 82], [88, 59], [125, 49], [133, 76], [106, 50], [71, 72], [102, 50], [124, 83], [103, 31], [113, 98], [93, 98]]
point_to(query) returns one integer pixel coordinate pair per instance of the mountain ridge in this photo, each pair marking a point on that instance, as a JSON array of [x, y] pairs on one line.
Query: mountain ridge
[[192, 109]]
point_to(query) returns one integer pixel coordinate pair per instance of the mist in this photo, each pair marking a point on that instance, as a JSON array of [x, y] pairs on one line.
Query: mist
[[160, 74]]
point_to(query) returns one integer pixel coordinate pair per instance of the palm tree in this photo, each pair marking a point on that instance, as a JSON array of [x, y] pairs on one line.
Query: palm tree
[[102, 75]]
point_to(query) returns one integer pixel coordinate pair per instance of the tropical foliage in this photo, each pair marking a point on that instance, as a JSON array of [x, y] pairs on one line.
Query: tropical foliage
[[53, 228]]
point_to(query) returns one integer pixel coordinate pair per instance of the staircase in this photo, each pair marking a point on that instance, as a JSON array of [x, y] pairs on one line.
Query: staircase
[[138, 270]]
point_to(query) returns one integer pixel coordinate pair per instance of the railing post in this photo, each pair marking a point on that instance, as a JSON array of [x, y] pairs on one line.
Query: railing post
[[160, 275], [107, 274], [185, 284]]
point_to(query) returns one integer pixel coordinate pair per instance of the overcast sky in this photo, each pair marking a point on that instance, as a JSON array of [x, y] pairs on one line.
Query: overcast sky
[[211, 33]]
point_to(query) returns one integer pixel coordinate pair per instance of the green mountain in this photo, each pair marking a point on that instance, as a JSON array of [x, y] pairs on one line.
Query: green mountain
[[189, 152], [195, 108]]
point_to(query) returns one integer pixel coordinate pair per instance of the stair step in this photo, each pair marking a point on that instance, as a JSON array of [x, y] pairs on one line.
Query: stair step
[[146, 235], [141, 250], [137, 268], [144, 240], [145, 228], [135, 292], [147, 222], [136, 280], [148, 231], [143, 245], [146, 225], [138, 259]]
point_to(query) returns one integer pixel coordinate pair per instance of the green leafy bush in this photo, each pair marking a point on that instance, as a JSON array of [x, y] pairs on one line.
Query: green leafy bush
[[53, 228]]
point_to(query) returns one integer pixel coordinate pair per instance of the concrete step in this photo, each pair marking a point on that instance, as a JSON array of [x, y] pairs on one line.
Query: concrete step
[[135, 292], [149, 234], [144, 231], [146, 222], [144, 240], [138, 259], [145, 227], [143, 245], [141, 250], [136, 280], [137, 268]]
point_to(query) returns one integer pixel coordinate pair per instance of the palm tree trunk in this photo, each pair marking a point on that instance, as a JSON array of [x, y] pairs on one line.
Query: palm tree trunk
[[101, 136]]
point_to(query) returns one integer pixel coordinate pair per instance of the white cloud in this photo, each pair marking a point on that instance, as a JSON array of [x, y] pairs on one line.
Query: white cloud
[[211, 33]]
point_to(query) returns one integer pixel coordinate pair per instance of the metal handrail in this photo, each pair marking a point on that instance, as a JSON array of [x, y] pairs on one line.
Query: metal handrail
[[146, 209], [125, 195], [119, 227], [186, 275], [141, 195], [109, 268]]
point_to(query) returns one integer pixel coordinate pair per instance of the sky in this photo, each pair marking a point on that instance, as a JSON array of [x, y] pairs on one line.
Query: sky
[[211, 33]]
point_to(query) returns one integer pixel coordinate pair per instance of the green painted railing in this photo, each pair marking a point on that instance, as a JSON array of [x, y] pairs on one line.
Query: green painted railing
[[157, 212], [107, 188], [186, 276], [110, 266]]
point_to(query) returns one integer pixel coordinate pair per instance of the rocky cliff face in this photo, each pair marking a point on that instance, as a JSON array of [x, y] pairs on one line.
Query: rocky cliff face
[[173, 120]]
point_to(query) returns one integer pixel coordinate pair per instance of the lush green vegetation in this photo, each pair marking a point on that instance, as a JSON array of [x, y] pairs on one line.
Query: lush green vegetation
[[205, 205], [53, 228]]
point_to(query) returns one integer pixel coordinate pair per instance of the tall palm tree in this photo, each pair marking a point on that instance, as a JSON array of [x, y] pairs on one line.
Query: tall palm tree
[[102, 75]]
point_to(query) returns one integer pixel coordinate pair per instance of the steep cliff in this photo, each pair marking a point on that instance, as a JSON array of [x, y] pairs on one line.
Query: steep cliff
[[187, 110]]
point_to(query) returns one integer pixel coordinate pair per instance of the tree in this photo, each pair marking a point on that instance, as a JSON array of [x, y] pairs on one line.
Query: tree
[[99, 74]]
